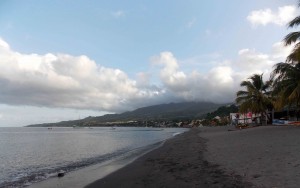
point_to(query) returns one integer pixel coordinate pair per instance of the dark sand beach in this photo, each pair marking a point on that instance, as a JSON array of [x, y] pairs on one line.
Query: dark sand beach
[[179, 162], [267, 156]]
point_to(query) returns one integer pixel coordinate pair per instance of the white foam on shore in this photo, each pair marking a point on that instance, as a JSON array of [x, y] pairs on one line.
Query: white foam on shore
[[84, 176], [175, 134], [87, 175]]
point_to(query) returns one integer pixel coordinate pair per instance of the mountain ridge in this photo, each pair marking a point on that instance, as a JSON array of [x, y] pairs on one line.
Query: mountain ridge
[[161, 112]]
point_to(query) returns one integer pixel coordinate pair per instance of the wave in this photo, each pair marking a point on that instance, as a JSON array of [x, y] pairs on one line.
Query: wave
[[28, 176]]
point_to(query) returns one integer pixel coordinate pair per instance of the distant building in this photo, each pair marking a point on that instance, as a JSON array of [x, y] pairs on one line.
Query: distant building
[[241, 118]]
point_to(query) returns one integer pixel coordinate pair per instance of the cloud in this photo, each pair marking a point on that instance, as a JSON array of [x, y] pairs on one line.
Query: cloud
[[220, 83], [194, 86], [3, 44], [250, 61], [118, 14], [78, 82], [266, 16], [170, 74], [253, 61], [62, 80], [281, 51]]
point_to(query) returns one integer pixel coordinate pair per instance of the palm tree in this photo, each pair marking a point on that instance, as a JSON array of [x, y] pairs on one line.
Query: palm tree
[[292, 38], [286, 85], [286, 76], [256, 97]]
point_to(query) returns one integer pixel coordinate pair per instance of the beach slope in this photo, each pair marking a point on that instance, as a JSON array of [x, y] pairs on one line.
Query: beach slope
[[179, 162]]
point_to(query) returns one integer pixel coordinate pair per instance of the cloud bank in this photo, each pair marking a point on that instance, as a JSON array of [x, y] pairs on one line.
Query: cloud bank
[[78, 82], [266, 16]]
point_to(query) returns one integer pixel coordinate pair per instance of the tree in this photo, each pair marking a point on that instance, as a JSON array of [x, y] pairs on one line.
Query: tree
[[286, 85], [286, 76], [256, 97], [293, 38]]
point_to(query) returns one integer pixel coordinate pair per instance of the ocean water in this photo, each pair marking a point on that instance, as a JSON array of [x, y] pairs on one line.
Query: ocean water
[[30, 155]]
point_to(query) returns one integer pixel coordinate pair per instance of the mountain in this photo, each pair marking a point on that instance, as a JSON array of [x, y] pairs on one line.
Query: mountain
[[162, 112]]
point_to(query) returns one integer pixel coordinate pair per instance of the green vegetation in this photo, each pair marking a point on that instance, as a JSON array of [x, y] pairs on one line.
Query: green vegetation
[[286, 85], [222, 111], [220, 116], [163, 114], [256, 98], [283, 88]]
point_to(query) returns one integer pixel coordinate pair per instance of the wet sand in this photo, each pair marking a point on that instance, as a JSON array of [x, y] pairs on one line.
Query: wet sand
[[211, 157], [179, 162]]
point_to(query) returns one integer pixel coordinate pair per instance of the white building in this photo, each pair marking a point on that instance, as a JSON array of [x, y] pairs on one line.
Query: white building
[[247, 118]]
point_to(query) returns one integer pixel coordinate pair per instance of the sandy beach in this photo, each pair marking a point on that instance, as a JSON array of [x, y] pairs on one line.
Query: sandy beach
[[266, 156], [179, 162]]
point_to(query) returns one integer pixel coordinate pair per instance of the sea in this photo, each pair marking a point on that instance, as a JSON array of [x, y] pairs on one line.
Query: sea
[[29, 155]]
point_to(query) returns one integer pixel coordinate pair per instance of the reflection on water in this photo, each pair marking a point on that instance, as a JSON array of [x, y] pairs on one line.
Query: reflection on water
[[34, 153]]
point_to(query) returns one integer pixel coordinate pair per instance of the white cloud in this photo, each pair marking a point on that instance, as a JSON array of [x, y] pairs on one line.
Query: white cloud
[[281, 51], [250, 61], [170, 75], [77, 82], [266, 16], [220, 82], [61, 80], [213, 86], [3, 44]]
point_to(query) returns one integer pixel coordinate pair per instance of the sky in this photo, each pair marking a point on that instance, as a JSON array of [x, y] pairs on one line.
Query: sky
[[63, 60]]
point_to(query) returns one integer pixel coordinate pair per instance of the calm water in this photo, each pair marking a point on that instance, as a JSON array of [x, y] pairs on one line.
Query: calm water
[[32, 154]]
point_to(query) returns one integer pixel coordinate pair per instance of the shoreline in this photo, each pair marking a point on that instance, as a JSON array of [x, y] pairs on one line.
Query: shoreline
[[178, 163], [266, 156], [85, 175]]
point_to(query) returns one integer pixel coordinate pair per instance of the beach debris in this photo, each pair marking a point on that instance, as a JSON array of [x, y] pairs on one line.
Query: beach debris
[[61, 173]]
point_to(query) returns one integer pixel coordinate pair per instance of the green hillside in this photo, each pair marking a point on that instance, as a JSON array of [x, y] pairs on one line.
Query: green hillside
[[162, 112]]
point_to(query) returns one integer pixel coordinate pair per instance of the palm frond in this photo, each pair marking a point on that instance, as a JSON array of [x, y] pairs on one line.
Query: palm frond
[[242, 93], [256, 96], [291, 38], [294, 22], [257, 81], [294, 56]]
